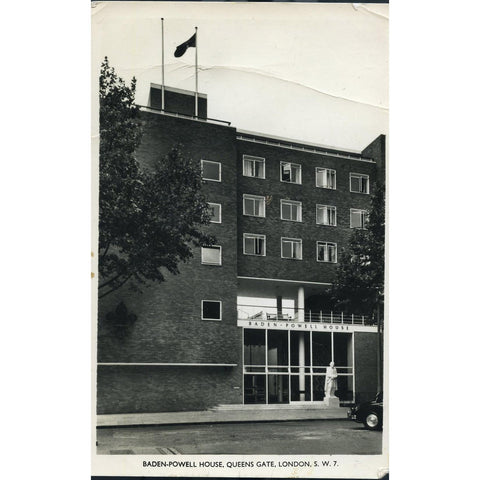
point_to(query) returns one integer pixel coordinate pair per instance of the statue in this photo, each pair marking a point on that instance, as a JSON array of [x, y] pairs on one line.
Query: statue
[[331, 381]]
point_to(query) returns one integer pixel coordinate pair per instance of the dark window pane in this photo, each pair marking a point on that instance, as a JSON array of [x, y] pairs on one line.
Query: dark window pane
[[342, 348], [277, 347], [211, 310], [254, 388], [278, 386], [211, 171], [254, 347], [321, 349]]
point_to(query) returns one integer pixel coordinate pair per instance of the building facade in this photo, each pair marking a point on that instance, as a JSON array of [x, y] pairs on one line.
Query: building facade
[[247, 320]]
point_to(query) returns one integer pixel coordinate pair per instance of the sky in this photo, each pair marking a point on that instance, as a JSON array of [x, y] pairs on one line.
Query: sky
[[312, 72]]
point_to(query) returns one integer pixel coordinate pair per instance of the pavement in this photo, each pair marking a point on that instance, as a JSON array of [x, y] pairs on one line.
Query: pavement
[[225, 414], [314, 437]]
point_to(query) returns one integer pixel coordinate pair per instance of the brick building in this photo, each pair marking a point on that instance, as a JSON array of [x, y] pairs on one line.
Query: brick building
[[246, 320]]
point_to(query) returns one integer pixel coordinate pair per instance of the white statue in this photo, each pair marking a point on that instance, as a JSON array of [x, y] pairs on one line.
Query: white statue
[[331, 381]]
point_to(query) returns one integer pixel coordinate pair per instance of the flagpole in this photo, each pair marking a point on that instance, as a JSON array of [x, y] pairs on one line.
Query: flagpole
[[163, 70], [196, 72]]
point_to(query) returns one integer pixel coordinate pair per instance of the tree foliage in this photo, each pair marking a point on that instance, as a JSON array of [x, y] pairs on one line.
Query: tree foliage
[[359, 284], [148, 219]]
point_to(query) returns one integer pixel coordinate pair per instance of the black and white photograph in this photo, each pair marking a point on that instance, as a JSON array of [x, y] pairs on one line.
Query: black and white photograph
[[239, 283]]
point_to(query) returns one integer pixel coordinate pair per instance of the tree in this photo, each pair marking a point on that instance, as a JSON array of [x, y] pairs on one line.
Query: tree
[[359, 284], [360, 281], [148, 219]]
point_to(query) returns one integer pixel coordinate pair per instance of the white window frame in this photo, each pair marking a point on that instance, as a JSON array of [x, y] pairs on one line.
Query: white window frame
[[212, 319], [317, 169], [326, 207], [290, 202], [255, 235], [293, 165], [360, 175], [326, 244], [291, 240], [254, 197], [219, 171], [360, 211], [219, 212], [219, 247], [255, 159]]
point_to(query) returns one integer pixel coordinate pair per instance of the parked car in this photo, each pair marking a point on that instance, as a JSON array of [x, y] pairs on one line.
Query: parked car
[[369, 413]]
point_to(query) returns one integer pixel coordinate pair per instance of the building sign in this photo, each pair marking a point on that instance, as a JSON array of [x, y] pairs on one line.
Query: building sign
[[305, 326]]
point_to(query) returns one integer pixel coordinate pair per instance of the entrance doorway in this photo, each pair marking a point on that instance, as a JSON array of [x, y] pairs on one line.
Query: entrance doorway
[[284, 366]]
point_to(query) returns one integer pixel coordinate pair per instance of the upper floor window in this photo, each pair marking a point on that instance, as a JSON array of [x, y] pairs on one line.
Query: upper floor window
[[253, 166], [254, 244], [254, 205], [211, 310], [215, 212], [326, 178], [326, 215], [292, 248], [358, 218], [212, 255], [211, 171], [326, 252], [291, 210], [290, 172], [359, 183]]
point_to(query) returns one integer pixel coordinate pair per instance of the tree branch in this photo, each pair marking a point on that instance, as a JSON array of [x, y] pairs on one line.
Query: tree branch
[[108, 282], [115, 288]]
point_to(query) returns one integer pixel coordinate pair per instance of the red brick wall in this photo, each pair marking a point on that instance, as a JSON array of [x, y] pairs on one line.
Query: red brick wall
[[272, 265], [365, 366], [142, 389]]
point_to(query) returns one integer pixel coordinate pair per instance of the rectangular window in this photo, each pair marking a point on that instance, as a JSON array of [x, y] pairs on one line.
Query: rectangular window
[[254, 244], [326, 252], [212, 255], [326, 215], [358, 218], [253, 166], [292, 248], [211, 310], [326, 178], [215, 212], [290, 172], [359, 183], [211, 171], [254, 205], [291, 210]]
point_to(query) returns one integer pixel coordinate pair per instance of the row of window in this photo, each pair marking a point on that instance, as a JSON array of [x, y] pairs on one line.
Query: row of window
[[289, 173], [254, 205], [254, 244]]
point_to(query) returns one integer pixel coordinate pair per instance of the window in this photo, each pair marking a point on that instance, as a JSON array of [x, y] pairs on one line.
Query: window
[[358, 218], [290, 172], [326, 178], [212, 255], [292, 248], [326, 252], [253, 166], [359, 183], [291, 210], [326, 215], [211, 171], [216, 212], [254, 205], [254, 244], [211, 310]]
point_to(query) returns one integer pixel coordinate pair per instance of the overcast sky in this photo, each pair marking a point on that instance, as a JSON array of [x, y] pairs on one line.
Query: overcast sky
[[313, 72]]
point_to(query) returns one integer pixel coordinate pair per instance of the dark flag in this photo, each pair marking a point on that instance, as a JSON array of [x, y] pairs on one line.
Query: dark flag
[[181, 49]]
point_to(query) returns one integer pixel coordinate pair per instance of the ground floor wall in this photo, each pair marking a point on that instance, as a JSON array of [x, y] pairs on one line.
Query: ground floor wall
[[149, 389], [267, 375]]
